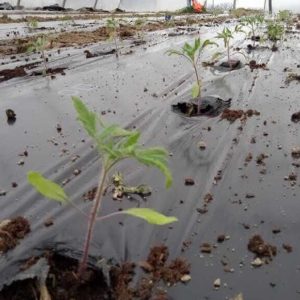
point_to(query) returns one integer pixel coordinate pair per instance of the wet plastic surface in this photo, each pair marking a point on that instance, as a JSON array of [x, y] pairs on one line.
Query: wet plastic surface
[[122, 90]]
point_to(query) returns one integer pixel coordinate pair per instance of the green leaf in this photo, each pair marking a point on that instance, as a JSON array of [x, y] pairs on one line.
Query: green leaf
[[150, 215], [47, 187], [155, 157], [195, 90], [87, 118]]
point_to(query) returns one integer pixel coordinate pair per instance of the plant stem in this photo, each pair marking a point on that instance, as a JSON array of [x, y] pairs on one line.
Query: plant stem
[[198, 82], [228, 55], [92, 220], [45, 63]]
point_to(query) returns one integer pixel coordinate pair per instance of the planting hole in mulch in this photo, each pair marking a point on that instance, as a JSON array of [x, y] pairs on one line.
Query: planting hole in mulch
[[62, 282], [209, 106]]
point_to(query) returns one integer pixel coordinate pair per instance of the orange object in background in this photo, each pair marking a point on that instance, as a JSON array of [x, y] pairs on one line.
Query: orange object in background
[[197, 6]]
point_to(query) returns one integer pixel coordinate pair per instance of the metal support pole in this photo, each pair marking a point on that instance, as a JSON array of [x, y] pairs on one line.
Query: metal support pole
[[64, 3], [270, 7], [19, 3], [95, 5], [234, 4]]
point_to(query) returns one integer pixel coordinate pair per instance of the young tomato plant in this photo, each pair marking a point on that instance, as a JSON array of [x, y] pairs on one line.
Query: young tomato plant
[[275, 32], [114, 145], [192, 53], [32, 24], [139, 23], [112, 27], [40, 45], [227, 35], [253, 23]]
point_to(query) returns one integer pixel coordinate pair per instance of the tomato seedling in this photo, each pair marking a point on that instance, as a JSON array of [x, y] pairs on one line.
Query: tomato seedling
[[114, 145]]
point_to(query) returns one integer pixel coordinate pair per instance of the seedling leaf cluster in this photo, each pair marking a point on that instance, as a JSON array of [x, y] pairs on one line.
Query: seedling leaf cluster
[[114, 145]]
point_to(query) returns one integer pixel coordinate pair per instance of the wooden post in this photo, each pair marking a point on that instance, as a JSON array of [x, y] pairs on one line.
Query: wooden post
[[95, 5]]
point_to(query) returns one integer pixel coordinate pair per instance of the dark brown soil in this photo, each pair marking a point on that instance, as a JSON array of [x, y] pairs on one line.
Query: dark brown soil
[[11, 232], [12, 73], [63, 283], [260, 248], [232, 64], [292, 77], [253, 65], [295, 117], [233, 115]]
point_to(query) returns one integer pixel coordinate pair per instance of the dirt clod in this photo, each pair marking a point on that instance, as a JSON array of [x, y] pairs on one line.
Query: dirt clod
[[262, 249], [12, 231]]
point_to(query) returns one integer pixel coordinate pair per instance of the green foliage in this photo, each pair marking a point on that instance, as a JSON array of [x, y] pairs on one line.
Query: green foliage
[[38, 45], [192, 53], [275, 31], [150, 215], [253, 22], [227, 35], [32, 24], [46, 187], [112, 26], [284, 16], [115, 143]]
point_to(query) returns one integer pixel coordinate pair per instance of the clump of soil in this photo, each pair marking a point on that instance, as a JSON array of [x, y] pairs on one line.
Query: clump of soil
[[292, 77], [66, 285], [93, 284], [231, 64], [11, 232], [90, 194], [232, 115], [295, 117], [254, 65], [260, 248], [11, 116], [12, 73]]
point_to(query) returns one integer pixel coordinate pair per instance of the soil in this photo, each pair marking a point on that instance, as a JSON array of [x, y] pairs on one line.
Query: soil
[[11, 232], [50, 71], [292, 77], [11, 116], [232, 115], [63, 283], [295, 117], [209, 106], [255, 38], [232, 64], [8, 74], [260, 248], [254, 65]]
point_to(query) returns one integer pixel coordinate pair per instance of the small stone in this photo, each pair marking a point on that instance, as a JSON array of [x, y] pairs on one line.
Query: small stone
[[288, 248], [189, 181], [257, 263], [201, 145], [295, 152], [221, 238], [49, 222], [3, 193], [76, 172], [217, 283], [21, 162], [58, 128], [206, 248], [186, 278]]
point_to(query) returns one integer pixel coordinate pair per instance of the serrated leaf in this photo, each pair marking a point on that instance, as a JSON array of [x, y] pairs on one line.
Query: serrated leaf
[[155, 157], [87, 118], [46, 187], [150, 215], [195, 90]]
